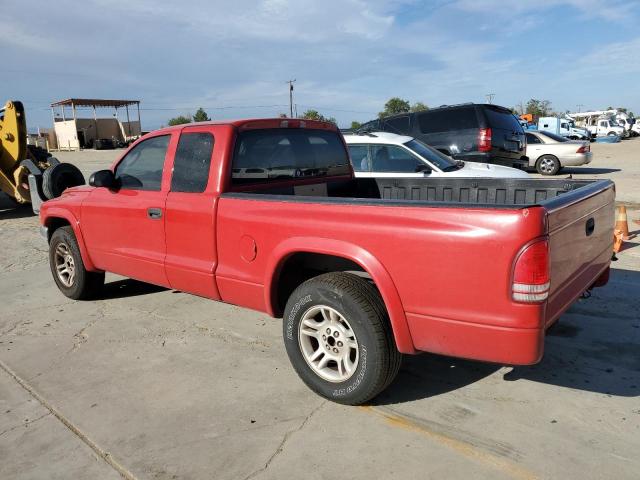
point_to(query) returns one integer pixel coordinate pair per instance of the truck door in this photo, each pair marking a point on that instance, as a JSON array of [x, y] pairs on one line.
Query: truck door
[[124, 228], [603, 127], [190, 223]]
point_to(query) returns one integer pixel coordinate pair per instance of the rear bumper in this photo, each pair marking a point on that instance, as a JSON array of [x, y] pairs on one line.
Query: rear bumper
[[576, 159], [510, 346]]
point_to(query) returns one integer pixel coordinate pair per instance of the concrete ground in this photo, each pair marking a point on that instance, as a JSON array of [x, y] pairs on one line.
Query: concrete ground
[[148, 383]]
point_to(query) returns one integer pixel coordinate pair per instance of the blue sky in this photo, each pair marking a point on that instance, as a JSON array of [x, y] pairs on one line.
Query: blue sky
[[348, 56]]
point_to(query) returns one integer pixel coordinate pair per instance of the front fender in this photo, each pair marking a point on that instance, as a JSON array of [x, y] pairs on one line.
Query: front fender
[[47, 217], [359, 255]]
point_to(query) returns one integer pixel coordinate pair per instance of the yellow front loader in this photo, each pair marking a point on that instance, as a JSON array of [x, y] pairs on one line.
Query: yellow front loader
[[13, 150], [29, 174]]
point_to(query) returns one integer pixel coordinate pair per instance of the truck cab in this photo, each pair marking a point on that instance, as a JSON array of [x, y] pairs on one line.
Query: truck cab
[[564, 127], [607, 126]]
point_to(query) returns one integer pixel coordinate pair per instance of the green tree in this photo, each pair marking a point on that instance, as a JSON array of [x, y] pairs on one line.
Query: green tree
[[419, 107], [201, 116], [179, 120], [539, 108], [394, 105], [315, 115], [355, 125]]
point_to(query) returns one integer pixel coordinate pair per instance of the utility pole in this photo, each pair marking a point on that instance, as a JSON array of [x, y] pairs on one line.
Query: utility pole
[[490, 97], [290, 82], [580, 105]]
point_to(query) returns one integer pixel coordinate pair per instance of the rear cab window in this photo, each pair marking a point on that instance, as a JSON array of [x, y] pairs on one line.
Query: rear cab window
[[502, 119], [287, 153]]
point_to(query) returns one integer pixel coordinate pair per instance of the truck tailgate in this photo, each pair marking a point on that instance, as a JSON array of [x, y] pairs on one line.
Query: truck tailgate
[[580, 245]]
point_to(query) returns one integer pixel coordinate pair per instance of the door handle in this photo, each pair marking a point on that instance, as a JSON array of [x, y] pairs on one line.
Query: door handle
[[590, 226], [154, 213]]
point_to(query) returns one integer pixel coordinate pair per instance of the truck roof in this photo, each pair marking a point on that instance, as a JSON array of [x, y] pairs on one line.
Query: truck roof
[[377, 137], [258, 123]]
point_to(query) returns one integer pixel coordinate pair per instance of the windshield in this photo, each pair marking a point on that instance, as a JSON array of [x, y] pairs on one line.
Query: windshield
[[555, 137], [432, 155]]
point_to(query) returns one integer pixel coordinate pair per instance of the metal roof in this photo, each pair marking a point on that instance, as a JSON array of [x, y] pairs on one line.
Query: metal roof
[[94, 102]]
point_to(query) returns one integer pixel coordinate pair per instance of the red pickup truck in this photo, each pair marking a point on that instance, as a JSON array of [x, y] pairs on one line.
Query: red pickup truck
[[267, 214]]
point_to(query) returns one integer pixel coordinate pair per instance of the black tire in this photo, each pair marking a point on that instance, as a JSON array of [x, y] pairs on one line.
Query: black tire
[[359, 301], [57, 178], [84, 285], [548, 165]]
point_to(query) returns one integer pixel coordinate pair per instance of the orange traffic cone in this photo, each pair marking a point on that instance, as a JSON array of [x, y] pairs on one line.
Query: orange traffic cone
[[621, 222], [617, 241]]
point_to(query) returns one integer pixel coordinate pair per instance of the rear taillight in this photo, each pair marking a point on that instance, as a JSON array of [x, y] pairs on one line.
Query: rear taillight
[[531, 274], [484, 140], [583, 149]]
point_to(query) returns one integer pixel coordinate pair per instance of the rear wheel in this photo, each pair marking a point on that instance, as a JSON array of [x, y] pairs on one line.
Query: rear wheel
[[68, 269], [338, 338], [548, 165]]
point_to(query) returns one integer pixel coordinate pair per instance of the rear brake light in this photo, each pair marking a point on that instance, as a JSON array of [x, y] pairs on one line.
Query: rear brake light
[[531, 274], [583, 149], [484, 140]]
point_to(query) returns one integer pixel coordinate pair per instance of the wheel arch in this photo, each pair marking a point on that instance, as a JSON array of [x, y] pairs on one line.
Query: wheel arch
[[352, 255], [57, 218]]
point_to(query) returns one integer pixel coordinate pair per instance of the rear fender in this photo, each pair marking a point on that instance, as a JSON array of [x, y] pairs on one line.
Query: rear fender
[[351, 252], [61, 213]]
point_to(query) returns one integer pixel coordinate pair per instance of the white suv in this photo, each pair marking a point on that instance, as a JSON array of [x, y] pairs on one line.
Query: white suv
[[383, 154]]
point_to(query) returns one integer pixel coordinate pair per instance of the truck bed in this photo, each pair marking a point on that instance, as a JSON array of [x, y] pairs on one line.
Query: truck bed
[[448, 246], [451, 192]]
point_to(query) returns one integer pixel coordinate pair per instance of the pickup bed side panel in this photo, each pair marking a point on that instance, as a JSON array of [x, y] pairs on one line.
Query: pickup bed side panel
[[450, 266], [352, 252]]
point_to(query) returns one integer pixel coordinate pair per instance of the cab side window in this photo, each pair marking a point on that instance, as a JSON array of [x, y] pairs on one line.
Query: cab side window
[[141, 168], [359, 157], [389, 158], [192, 162]]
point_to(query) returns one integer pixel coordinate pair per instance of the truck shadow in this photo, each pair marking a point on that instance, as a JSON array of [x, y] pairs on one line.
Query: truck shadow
[[428, 375], [128, 288], [595, 347], [10, 210]]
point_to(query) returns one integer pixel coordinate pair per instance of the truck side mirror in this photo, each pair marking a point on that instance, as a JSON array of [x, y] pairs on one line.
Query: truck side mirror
[[103, 178]]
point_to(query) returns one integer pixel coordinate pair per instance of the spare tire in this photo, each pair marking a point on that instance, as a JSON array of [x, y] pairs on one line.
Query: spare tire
[[57, 178]]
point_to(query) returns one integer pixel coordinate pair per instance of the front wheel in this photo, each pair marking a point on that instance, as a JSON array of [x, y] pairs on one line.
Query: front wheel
[[338, 338], [548, 165], [68, 269]]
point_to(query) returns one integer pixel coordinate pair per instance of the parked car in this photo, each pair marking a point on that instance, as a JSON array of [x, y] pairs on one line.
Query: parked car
[[469, 132], [360, 269], [549, 152], [384, 154]]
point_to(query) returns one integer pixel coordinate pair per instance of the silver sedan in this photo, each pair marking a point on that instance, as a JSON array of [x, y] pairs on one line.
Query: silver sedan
[[549, 152]]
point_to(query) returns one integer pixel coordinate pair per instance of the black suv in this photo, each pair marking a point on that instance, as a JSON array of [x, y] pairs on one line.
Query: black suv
[[470, 132]]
